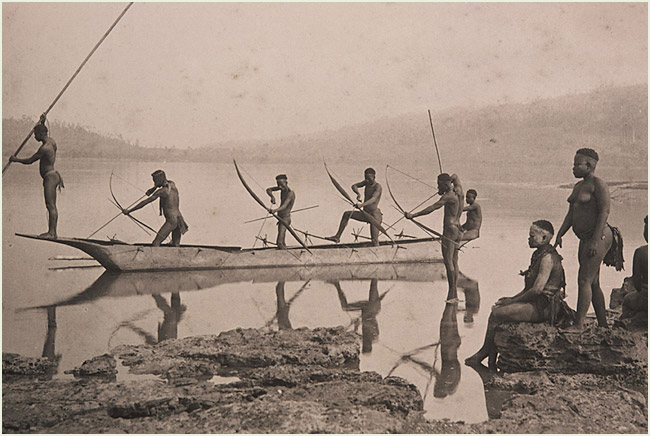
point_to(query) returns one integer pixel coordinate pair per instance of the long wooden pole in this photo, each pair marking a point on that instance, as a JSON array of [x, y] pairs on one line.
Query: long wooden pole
[[434, 141], [4, 169], [293, 211]]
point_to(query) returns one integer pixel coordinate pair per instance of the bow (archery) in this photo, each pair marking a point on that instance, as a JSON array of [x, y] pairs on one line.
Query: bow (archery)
[[420, 225], [261, 203], [345, 194], [110, 186]]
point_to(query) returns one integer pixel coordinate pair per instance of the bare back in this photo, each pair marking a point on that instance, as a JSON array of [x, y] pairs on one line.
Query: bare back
[[453, 208], [287, 197], [169, 200], [47, 153]]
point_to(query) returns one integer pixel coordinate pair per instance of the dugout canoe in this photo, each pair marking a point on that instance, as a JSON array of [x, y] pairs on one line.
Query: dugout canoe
[[119, 256]]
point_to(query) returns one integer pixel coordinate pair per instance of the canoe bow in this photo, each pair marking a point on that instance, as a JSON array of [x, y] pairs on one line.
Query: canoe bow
[[261, 203], [344, 193]]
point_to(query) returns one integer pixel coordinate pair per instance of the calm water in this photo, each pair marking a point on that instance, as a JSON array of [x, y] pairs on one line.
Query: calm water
[[408, 328]]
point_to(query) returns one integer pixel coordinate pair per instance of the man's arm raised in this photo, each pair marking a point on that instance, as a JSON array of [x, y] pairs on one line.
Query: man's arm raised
[[355, 188], [269, 192]]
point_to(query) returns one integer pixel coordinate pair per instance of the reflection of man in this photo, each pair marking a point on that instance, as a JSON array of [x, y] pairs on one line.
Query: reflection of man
[[494, 396], [49, 345], [168, 328], [449, 377], [282, 313], [472, 297], [369, 311]]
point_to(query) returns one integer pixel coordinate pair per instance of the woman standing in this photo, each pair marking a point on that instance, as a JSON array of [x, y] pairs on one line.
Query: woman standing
[[588, 211]]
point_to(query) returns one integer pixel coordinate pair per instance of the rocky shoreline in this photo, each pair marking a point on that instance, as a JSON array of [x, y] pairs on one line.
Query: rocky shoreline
[[308, 381]]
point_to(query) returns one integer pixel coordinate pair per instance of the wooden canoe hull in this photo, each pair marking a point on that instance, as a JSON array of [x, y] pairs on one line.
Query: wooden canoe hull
[[122, 257]]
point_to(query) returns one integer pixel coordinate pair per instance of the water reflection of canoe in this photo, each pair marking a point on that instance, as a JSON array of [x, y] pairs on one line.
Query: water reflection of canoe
[[116, 285], [120, 256]]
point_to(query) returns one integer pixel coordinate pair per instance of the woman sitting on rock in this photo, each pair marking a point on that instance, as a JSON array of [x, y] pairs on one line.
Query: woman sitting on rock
[[542, 298]]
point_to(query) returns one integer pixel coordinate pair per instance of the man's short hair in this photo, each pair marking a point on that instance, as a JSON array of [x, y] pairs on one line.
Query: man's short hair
[[41, 128], [444, 177], [281, 177], [472, 191], [158, 173], [370, 171], [545, 225], [589, 152]]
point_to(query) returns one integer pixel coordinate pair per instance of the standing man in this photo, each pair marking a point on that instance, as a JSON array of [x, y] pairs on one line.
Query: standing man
[[287, 198], [451, 198], [169, 206], [472, 226], [52, 180], [372, 194]]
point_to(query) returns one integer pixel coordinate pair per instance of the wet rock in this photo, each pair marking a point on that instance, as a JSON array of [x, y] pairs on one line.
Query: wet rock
[[14, 365], [244, 348], [103, 366], [583, 403], [530, 347], [292, 394], [290, 381], [637, 322]]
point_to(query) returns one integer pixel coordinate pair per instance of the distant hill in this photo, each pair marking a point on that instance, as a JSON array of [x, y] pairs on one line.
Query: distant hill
[[76, 141], [613, 121]]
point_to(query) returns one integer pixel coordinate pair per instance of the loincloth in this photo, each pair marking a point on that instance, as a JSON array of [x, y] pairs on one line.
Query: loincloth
[[181, 224], [614, 256], [551, 307], [59, 183]]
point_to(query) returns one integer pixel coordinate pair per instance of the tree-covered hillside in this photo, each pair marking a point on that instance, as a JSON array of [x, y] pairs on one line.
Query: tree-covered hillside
[[614, 121]]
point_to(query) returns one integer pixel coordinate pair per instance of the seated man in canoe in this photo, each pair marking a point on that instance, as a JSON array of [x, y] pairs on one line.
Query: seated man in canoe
[[287, 198], [166, 191], [369, 310], [372, 194], [541, 300], [472, 226]]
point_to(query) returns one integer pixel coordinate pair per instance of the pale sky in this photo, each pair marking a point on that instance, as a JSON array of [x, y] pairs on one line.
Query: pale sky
[[188, 74]]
